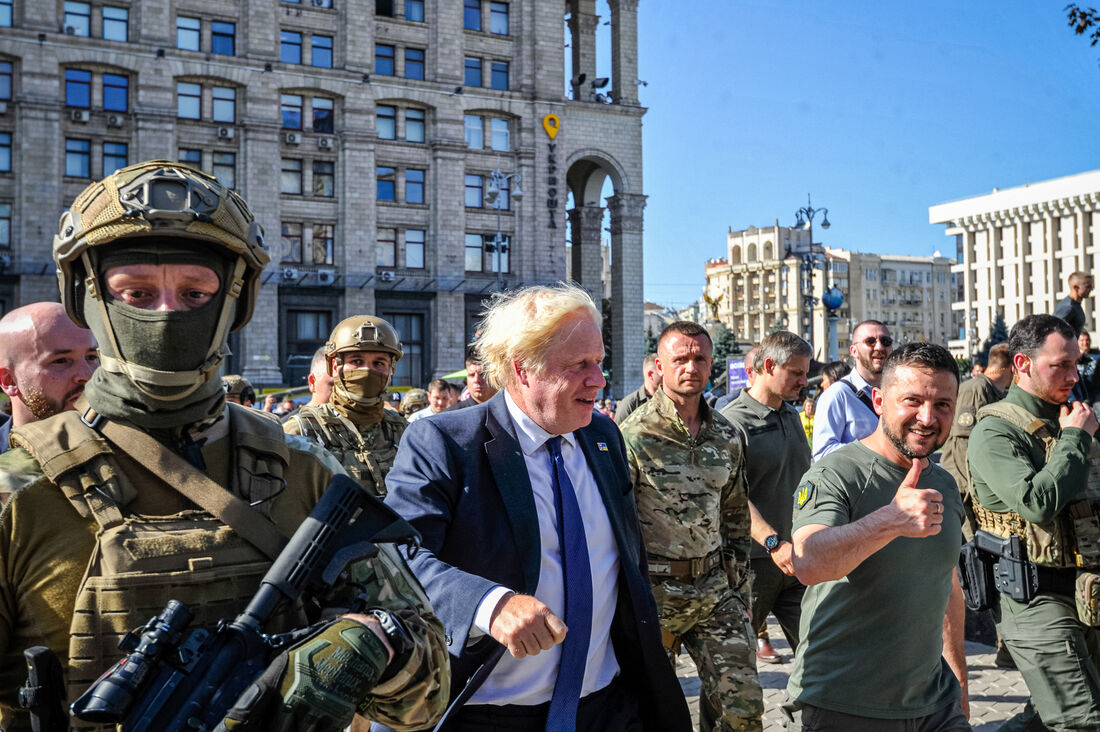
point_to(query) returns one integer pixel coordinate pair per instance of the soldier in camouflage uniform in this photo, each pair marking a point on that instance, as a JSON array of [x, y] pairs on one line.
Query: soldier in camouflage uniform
[[354, 425], [686, 464], [238, 390], [120, 479]]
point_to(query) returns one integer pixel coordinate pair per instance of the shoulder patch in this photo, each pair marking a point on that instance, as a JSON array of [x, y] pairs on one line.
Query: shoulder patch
[[804, 493], [965, 419]]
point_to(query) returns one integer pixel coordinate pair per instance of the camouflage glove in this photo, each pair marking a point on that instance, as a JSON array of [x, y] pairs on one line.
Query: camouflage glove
[[315, 686]]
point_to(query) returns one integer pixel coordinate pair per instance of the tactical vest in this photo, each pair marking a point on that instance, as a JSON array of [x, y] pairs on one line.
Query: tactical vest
[[336, 433], [140, 562], [1070, 539]]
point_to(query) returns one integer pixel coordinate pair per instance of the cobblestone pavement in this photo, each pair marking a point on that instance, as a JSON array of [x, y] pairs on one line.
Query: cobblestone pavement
[[995, 694]]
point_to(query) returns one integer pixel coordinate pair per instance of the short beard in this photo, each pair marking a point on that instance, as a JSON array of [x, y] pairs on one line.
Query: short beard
[[38, 405], [869, 364], [897, 441]]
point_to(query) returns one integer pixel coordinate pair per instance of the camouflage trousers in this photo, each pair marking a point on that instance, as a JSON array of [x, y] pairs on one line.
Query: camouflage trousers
[[712, 622]]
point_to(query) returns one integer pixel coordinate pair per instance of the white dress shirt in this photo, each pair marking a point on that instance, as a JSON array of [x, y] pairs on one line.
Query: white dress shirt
[[530, 680], [841, 417]]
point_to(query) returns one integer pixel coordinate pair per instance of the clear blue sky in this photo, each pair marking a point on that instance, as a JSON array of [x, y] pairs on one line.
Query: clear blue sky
[[877, 109]]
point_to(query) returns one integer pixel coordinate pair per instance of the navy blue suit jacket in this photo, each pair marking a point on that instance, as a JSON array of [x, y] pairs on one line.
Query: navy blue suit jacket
[[461, 480]]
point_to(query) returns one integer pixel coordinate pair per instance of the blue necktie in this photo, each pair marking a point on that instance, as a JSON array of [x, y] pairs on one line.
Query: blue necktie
[[577, 579]]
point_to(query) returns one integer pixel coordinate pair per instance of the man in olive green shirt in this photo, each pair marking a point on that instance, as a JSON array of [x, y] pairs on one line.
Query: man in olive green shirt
[[876, 541], [777, 454], [1030, 459]]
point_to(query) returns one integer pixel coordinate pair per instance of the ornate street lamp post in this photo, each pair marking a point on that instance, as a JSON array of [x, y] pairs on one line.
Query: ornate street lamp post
[[498, 197], [811, 260]]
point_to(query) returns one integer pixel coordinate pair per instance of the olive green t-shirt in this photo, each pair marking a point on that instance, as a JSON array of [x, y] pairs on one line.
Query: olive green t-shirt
[[873, 641]]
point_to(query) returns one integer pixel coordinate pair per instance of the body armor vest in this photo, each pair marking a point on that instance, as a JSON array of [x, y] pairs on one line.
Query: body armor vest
[[1070, 539], [366, 460], [140, 562]]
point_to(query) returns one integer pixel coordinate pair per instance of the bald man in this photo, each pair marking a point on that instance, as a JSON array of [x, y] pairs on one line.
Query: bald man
[[320, 382]]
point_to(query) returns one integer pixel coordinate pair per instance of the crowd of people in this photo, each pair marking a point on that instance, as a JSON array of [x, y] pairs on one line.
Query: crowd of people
[[569, 548]]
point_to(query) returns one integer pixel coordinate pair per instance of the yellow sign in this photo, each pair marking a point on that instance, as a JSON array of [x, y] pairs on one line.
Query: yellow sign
[[550, 123], [805, 491]]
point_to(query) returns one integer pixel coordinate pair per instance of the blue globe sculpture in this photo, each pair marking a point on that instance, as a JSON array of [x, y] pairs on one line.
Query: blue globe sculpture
[[833, 298]]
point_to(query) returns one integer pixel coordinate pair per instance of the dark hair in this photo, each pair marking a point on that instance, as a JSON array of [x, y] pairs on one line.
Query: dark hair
[[1029, 334], [471, 356], [921, 355], [438, 385], [684, 327], [862, 323], [836, 370]]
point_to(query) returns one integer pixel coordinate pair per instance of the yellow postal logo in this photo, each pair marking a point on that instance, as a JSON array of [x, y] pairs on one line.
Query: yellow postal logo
[[551, 123], [805, 492]]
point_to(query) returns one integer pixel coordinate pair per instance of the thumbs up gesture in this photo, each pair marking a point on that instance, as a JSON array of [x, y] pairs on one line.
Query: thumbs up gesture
[[917, 513]]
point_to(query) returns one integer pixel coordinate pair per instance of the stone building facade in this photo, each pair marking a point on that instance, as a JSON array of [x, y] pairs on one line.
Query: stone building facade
[[1016, 247], [363, 134]]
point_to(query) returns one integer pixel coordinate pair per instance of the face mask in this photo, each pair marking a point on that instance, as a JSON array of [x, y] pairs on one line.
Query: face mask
[[357, 394]]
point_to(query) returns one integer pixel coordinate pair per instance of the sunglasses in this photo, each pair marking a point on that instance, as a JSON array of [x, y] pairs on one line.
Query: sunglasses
[[886, 341]]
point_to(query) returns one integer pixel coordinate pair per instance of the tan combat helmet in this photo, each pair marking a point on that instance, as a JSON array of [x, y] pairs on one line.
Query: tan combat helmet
[[414, 401], [160, 199], [239, 387], [362, 333]]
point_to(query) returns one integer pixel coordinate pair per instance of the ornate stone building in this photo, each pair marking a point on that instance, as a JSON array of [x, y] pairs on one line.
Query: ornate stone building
[[1016, 247], [363, 133]]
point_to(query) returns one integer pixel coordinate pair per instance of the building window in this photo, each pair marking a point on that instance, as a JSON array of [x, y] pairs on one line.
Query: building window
[[414, 10], [384, 8], [499, 79], [78, 19], [187, 33], [78, 158], [5, 225], [414, 185], [114, 157], [115, 93], [474, 132], [387, 247], [223, 38], [5, 13], [414, 63], [386, 178], [409, 371], [116, 24], [78, 88], [471, 14], [5, 152], [225, 104], [191, 156], [324, 117], [290, 47], [306, 329], [290, 180], [501, 136], [473, 72], [475, 250], [321, 51], [503, 199], [188, 100], [414, 248], [386, 122], [498, 259], [323, 244], [324, 178], [474, 189], [5, 80], [498, 18], [292, 242], [383, 59], [291, 106], [225, 168], [414, 125]]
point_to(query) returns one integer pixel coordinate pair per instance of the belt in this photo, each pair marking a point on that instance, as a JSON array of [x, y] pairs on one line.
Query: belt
[[1056, 580], [684, 569]]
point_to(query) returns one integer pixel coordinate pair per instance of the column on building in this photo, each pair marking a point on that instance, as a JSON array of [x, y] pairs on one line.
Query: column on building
[[585, 223], [448, 256], [582, 28], [624, 50], [628, 342]]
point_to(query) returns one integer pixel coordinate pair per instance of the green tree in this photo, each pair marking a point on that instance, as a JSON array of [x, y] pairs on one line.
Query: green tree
[[999, 334], [650, 341], [1084, 21], [725, 348]]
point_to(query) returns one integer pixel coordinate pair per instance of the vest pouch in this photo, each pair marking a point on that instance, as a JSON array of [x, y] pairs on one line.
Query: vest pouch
[[1086, 530], [1087, 598]]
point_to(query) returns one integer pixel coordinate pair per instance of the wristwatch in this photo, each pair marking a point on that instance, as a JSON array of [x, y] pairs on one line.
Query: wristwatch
[[397, 635], [772, 543]]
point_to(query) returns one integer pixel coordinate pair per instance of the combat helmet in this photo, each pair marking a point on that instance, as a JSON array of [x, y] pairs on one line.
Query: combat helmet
[[362, 333], [414, 401], [237, 386]]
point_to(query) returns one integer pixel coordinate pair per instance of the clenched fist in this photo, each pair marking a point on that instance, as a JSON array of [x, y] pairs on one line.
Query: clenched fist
[[525, 625]]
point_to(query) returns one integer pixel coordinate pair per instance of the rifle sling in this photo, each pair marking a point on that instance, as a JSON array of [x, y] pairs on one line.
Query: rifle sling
[[251, 525]]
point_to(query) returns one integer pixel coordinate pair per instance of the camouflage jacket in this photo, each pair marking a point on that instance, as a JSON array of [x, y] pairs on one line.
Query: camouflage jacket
[[690, 490]]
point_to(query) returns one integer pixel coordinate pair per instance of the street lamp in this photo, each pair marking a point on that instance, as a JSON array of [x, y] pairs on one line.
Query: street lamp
[[811, 260], [498, 197]]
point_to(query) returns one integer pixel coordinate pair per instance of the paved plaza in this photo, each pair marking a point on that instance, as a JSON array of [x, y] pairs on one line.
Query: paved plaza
[[995, 694]]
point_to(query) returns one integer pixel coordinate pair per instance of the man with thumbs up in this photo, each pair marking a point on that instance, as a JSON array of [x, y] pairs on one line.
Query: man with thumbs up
[[877, 529]]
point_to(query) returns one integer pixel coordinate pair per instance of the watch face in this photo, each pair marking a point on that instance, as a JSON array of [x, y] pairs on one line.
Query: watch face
[[772, 543]]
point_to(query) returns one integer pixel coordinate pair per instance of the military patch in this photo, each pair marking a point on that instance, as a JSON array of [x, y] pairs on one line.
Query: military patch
[[601, 446], [965, 419], [804, 493]]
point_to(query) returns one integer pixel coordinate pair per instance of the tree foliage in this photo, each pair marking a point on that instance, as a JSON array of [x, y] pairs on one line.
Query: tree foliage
[[1084, 22], [725, 348], [999, 334]]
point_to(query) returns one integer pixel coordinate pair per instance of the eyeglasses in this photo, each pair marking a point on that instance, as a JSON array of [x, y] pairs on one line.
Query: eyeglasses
[[886, 341]]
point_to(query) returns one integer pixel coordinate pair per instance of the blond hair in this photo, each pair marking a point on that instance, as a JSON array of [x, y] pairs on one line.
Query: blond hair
[[518, 326]]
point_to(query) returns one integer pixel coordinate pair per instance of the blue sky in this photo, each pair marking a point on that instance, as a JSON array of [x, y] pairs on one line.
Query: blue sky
[[879, 110]]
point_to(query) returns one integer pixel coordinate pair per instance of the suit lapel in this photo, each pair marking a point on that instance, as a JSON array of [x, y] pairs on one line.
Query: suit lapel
[[599, 462], [514, 484]]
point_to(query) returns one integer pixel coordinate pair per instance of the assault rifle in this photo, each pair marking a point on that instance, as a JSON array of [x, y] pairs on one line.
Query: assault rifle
[[173, 680]]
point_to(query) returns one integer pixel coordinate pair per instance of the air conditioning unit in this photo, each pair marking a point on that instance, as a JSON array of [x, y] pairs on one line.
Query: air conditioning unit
[[115, 120], [70, 30], [292, 138], [226, 133], [325, 143], [289, 273], [3, 108], [326, 276], [386, 276], [79, 115]]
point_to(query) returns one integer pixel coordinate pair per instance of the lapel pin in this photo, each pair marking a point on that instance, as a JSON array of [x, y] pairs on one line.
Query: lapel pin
[[602, 446]]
